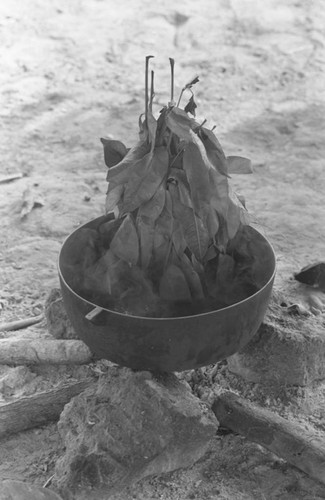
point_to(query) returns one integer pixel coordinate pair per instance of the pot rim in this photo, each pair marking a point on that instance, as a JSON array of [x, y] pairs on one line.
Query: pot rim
[[173, 318]]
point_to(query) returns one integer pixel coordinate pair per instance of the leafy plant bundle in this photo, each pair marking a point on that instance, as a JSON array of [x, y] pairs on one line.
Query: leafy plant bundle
[[168, 249]]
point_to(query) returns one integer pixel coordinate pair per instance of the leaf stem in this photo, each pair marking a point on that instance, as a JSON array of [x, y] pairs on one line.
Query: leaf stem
[[152, 90], [180, 97], [146, 98], [172, 65]]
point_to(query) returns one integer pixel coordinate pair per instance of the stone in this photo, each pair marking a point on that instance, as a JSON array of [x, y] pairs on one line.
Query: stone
[[288, 349], [127, 426], [18, 490], [58, 323]]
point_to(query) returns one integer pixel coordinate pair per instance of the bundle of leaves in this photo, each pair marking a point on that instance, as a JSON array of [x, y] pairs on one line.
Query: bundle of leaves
[[169, 248]]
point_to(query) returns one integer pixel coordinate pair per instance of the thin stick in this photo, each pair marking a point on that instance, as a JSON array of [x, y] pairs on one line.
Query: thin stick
[[21, 323], [172, 65], [10, 178], [146, 100]]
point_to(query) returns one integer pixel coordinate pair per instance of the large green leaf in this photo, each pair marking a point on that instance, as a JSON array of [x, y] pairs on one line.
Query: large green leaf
[[113, 197], [220, 192], [214, 150], [194, 230], [180, 123], [179, 176], [145, 180], [163, 232], [146, 232], [107, 231], [192, 278], [212, 222], [102, 278], [179, 242], [153, 207], [125, 243], [114, 151], [237, 215], [136, 296], [239, 165], [197, 173], [173, 285], [136, 175], [120, 173]]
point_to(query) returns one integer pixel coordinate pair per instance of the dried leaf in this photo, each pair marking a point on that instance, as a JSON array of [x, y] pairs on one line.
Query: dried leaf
[[190, 84], [114, 151], [173, 285], [145, 180], [191, 106], [239, 165], [125, 243], [30, 201]]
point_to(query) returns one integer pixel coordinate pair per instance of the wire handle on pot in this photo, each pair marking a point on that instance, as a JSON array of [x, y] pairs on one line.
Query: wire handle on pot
[[94, 313]]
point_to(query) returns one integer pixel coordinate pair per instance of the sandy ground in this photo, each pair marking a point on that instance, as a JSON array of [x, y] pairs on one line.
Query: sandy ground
[[71, 72]]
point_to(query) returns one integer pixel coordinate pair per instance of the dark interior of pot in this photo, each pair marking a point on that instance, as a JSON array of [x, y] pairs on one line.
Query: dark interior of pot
[[170, 343]]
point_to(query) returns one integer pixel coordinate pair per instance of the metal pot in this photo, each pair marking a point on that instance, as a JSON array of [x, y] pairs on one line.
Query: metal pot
[[168, 344]]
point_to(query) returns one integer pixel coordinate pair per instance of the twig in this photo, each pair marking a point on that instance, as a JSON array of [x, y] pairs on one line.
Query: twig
[[48, 481], [21, 323]]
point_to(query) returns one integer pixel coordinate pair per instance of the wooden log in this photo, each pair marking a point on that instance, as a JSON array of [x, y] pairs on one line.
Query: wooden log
[[289, 440], [20, 323], [15, 351], [38, 409]]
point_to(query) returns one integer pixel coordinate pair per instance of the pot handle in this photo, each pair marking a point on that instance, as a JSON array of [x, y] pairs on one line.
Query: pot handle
[[94, 313]]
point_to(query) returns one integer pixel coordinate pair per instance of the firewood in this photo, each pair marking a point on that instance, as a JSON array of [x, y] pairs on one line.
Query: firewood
[[287, 439], [15, 351], [38, 409], [20, 323]]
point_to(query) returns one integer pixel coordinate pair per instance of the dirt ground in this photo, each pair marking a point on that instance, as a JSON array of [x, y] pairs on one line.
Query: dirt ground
[[72, 72]]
